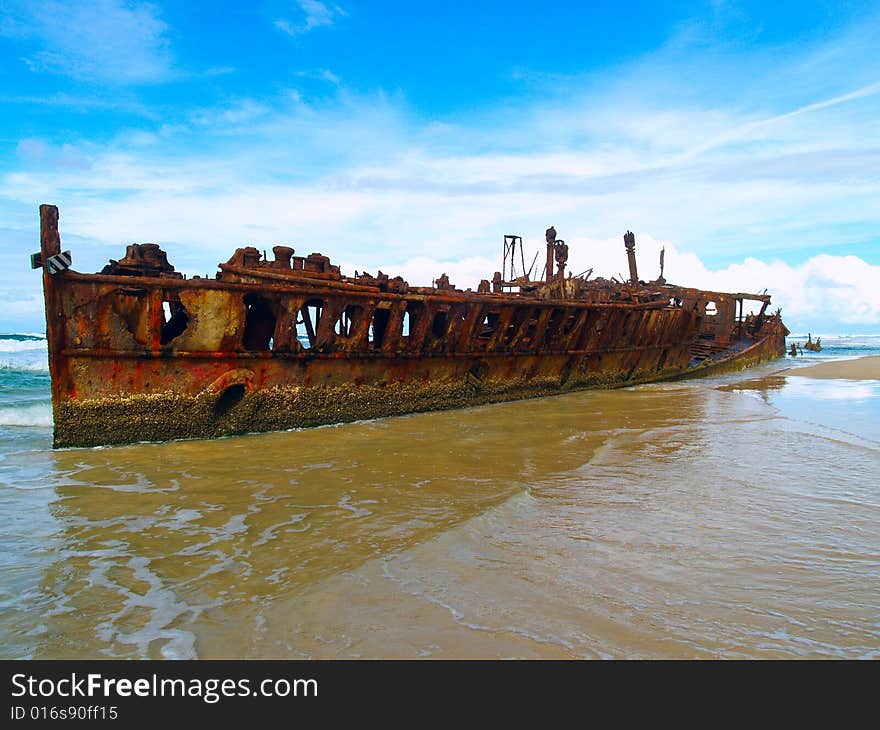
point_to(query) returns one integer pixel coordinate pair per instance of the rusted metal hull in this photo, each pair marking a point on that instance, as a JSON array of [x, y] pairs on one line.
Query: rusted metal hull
[[142, 354]]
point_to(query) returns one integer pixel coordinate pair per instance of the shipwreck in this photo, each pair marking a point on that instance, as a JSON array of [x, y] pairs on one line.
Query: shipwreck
[[139, 352]]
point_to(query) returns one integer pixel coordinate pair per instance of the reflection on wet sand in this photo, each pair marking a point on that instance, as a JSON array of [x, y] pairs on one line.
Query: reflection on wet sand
[[664, 520]]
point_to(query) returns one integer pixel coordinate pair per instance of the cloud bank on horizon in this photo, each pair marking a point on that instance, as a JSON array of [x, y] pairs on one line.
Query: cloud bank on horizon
[[745, 140]]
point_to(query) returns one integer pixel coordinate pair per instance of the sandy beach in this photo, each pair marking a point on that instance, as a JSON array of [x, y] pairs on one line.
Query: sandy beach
[[863, 368]]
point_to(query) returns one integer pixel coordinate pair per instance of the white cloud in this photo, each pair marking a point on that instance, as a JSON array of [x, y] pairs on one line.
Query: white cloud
[[39, 154], [83, 103], [316, 13], [322, 74], [239, 113], [750, 129], [108, 41]]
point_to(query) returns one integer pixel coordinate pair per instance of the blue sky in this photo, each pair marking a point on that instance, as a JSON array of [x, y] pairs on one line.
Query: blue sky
[[745, 137]]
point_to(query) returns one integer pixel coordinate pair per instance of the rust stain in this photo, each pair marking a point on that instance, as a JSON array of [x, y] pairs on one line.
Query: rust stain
[[139, 352]]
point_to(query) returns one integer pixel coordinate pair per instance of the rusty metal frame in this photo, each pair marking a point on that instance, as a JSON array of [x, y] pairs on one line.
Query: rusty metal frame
[[123, 369]]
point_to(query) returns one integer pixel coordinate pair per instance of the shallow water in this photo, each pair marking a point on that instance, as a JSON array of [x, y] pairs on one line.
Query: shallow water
[[727, 517]]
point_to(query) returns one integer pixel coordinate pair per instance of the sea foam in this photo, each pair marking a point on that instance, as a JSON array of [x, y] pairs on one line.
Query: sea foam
[[32, 414], [24, 353]]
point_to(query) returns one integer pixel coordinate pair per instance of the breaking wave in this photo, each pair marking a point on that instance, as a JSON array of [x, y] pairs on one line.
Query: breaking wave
[[31, 414], [24, 352], [8, 344]]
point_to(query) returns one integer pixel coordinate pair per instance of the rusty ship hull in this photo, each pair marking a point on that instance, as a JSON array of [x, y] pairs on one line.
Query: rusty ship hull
[[140, 353]]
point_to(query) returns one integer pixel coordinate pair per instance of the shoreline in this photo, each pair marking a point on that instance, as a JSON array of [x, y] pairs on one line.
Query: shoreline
[[862, 368]]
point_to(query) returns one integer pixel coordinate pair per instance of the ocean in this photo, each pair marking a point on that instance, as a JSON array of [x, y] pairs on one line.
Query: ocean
[[727, 517]]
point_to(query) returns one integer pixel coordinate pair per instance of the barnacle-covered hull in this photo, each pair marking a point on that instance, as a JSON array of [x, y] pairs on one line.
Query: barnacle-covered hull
[[139, 353]]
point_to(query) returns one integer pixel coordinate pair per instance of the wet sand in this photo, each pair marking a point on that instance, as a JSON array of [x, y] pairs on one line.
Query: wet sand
[[722, 517], [863, 368]]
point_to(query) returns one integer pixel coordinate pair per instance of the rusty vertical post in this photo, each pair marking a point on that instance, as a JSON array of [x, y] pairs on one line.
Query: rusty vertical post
[[550, 235], [739, 330], [50, 245], [50, 240], [629, 240]]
